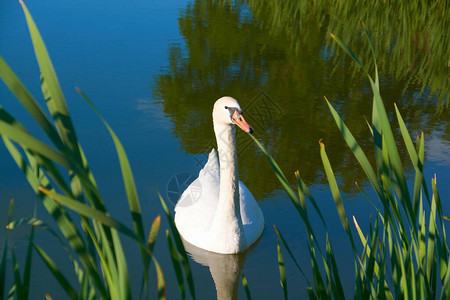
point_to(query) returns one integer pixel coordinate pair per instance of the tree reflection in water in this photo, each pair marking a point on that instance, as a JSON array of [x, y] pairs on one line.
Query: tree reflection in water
[[279, 53]]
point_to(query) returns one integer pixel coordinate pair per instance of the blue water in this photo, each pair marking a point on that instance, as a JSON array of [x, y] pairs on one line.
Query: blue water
[[114, 51]]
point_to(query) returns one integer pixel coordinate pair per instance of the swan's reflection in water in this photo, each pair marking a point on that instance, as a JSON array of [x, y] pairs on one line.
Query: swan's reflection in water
[[226, 269]]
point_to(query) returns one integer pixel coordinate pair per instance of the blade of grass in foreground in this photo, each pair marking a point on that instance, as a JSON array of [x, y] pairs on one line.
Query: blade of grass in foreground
[[51, 89], [92, 213], [65, 284], [176, 265], [335, 192], [282, 270], [356, 149], [246, 288], [179, 244], [280, 236], [5, 251], [27, 100]]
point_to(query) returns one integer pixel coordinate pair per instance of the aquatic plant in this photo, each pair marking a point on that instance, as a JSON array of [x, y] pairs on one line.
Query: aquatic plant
[[61, 178], [404, 254]]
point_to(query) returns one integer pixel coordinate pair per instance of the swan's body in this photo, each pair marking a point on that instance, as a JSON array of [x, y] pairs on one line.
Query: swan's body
[[221, 215]]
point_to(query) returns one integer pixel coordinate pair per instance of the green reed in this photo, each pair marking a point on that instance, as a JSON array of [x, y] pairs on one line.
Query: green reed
[[61, 178], [404, 254]]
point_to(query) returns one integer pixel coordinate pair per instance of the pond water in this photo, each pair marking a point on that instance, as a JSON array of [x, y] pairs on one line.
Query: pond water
[[154, 70]]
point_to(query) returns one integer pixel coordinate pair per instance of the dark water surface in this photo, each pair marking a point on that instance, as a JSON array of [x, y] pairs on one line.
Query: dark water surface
[[154, 70]]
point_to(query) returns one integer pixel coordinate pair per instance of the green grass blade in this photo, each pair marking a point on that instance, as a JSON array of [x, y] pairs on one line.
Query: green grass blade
[[445, 293], [176, 265], [422, 238], [128, 179], [282, 269], [91, 213], [285, 244], [292, 195], [50, 87], [394, 155], [431, 260], [246, 288], [3, 268], [335, 192], [356, 149], [303, 189], [16, 273], [25, 98], [179, 244], [336, 283], [61, 217], [372, 48], [124, 278], [27, 270], [160, 282], [280, 175], [417, 158], [349, 51], [65, 284], [5, 251], [29, 142], [154, 232], [318, 281], [154, 229]]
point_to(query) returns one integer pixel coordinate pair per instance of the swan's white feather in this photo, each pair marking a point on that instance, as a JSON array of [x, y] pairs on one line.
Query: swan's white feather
[[194, 211]]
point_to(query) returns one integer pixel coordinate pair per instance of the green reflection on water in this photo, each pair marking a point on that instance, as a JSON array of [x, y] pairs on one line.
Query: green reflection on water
[[277, 59]]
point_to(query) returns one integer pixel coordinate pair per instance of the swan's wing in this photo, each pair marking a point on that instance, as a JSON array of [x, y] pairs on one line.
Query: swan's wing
[[197, 204], [251, 214], [212, 166], [202, 187]]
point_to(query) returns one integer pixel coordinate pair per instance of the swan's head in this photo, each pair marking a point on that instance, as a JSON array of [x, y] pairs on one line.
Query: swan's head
[[227, 111]]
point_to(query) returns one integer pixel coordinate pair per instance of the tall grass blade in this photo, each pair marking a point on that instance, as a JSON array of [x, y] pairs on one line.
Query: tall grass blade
[[417, 158], [154, 229], [27, 266], [3, 269], [176, 265], [431, 259], [283, 180], [27, 100], [160, 282], [28, 142], [349, 51], [153, 233], [65, 284], [91, 213], [280, 236], [335, 192], [122, 269], [129, 183], [179, 244], [338, 290], [356, 149], [4, 255], [50, 87], [282, 269], [280, 175], [246, 288], [128, 179], [16, 273], [303, 190]]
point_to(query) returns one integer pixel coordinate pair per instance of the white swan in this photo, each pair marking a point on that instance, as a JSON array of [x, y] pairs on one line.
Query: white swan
[[217, 212]]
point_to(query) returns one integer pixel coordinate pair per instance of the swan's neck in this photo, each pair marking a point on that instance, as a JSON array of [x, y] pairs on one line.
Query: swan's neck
[[227, 223]]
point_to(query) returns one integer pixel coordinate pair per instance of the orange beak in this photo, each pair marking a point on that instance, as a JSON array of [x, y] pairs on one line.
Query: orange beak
[[239, 120]]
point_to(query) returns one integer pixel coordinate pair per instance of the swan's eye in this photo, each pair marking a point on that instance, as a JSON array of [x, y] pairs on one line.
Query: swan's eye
[[226, 107]]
